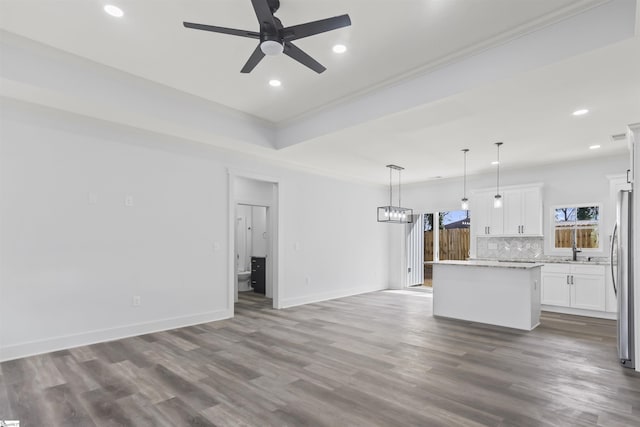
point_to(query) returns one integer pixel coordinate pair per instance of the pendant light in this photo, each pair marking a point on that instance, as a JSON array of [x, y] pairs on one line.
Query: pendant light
[[464, 203], [497, 199], [395, 214]]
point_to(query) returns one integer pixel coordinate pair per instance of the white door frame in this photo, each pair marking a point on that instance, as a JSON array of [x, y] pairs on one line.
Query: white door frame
[[274, 224]]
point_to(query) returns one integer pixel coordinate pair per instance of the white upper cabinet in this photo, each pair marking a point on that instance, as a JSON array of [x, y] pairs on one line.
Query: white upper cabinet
[[488, 220], [521, 212]]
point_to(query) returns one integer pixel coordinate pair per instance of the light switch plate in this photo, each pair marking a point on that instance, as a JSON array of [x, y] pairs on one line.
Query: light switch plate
[[128, 201], [93, 198]]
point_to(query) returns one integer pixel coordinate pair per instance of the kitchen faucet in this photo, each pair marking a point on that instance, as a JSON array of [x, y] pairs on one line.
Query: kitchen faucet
[[574, 249]]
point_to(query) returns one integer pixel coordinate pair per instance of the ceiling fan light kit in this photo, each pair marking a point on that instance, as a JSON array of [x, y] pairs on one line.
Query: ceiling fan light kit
[[276, 38], [271, 48], [395, 214]]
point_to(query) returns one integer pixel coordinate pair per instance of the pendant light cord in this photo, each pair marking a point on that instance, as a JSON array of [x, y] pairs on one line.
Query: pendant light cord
[[390, 189], [498, 144], [464, 185], [399, 187]]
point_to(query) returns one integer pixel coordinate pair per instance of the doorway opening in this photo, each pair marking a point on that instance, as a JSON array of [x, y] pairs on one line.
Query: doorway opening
[[446, 236], [253, 236], [252, 243]]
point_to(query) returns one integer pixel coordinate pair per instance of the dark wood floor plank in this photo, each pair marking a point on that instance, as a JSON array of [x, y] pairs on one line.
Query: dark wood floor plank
[[372, 359]]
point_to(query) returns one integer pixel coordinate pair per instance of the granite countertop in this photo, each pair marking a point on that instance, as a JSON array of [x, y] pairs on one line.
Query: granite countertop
[[491, 263], [548, 261]]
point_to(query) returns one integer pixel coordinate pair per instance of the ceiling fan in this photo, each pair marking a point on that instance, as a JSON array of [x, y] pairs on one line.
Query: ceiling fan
[[275, 38]]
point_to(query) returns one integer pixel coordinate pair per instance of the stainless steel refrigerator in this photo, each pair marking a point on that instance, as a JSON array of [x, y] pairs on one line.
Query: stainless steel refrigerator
[[622, 275]]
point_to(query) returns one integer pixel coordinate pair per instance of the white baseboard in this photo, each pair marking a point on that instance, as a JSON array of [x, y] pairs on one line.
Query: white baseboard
[[580, 312], [325, 296], [16, 351]]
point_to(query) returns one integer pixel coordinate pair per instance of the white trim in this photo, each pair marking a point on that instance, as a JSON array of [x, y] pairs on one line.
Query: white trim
[[633, 135], [274, 224], [309, 299], [506, 187], [580, 312], [31, 348]]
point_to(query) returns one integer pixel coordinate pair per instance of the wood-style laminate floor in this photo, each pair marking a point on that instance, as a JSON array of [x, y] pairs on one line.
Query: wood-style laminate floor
[[378, 359]]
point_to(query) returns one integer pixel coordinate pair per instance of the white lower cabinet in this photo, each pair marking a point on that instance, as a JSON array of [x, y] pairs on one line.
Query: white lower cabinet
[[574, 286], [555, 289]]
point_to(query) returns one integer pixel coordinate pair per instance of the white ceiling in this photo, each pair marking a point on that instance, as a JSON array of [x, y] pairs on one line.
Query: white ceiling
[[530, 112], [387, 39]]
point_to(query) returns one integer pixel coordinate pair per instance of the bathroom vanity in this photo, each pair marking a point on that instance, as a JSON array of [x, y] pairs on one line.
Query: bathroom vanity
[[258, 274]]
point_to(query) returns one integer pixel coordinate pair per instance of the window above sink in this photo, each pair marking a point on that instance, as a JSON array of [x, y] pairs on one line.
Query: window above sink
[[576, 224]]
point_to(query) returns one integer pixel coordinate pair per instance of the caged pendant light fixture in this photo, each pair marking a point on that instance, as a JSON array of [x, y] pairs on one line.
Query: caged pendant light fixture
[[464, 203], [395, 214], [497, 199]]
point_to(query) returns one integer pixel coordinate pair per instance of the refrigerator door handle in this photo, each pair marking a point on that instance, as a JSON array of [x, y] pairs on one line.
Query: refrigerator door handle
[[613, 273]]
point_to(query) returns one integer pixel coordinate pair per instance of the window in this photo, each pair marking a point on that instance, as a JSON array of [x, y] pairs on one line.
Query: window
[[576, 223]]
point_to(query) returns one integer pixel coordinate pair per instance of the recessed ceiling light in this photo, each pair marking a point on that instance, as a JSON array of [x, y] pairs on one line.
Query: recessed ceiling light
[[114, 11], [594, 147], [495, 162], [275, 83], [580, 112], [339, 48]]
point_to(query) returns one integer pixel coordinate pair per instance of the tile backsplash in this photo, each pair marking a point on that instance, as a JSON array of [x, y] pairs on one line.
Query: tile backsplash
[[510, 247]]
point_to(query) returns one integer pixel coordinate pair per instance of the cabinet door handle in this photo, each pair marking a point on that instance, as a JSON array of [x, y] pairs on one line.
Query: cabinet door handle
[[568, 280], [488, 230], [572, 279]]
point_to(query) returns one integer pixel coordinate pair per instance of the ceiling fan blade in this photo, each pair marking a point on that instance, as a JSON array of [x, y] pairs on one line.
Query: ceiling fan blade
[[298, 54], [296, 32], [255, 57], [223, 30], [264, 15]]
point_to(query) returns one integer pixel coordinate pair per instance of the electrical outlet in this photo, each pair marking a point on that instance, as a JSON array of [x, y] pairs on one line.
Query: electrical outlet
[[93, 198], [136, 301], [128, 201], [307, 280], [216, 247]]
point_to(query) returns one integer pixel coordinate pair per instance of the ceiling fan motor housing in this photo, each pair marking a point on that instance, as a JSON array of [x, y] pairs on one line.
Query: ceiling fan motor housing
[[274, 5]]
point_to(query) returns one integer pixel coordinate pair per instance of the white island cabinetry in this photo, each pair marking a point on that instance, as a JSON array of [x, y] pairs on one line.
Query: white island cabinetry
[[495, 293]]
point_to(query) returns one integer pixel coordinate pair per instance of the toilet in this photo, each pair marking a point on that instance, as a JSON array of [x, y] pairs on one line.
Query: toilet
[[244, 278]]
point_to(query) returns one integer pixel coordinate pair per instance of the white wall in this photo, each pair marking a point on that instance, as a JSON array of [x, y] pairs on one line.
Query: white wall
[[259, 237], [69, 267]]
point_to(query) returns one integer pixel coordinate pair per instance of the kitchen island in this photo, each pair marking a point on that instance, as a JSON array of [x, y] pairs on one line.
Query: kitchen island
[[491, 292]]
